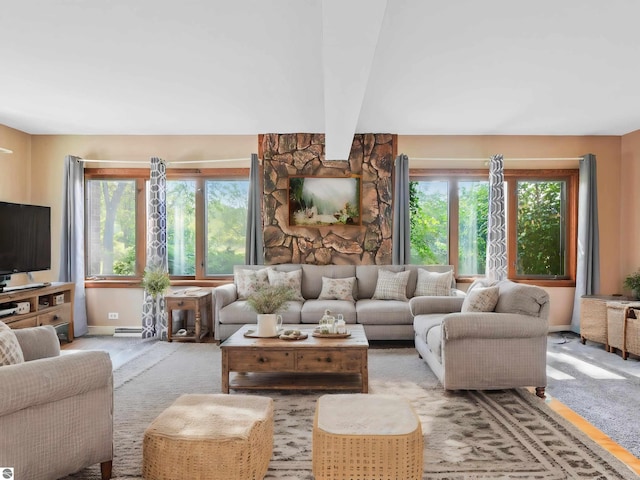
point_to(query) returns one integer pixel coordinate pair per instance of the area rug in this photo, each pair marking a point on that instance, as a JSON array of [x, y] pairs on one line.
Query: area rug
[[509, 434]]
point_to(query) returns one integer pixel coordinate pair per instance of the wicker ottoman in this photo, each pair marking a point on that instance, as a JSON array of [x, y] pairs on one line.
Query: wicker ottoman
[[210, 437], [372, 437]]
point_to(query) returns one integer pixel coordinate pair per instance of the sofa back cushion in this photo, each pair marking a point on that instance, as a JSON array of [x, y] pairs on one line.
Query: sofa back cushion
[[367, 276], [10, 350], [522, 299], [312, 277]]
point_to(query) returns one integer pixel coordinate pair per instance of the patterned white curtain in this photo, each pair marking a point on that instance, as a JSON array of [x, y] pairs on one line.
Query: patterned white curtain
[[154, 319], [496, 230]]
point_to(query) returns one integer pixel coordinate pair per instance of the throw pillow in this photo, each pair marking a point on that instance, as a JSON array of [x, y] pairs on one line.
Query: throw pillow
[[337, 289], [250, 281], [481, 299], [10, 351], [433, 283], [293, 280], [391, 285]]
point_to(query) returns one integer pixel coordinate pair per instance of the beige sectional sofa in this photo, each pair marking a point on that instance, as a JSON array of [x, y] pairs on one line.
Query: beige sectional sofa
[[504, 346], [389, 319]]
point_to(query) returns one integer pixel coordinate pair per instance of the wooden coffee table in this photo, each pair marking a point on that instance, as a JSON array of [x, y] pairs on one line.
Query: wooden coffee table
[[309, 364]]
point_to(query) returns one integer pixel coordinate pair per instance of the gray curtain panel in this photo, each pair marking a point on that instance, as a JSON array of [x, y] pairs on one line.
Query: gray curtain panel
[[72, 240], [496, 268], [154, 319], [401, 236], [254, 249], [588, 254]]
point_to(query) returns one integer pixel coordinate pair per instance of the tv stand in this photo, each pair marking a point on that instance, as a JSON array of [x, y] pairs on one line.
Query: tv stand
[[49, 304]]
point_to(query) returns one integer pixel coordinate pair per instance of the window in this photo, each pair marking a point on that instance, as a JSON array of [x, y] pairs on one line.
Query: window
[[111, 227], [449, 211], [206, 222]]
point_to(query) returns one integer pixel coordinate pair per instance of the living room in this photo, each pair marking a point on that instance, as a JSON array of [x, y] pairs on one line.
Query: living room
[[436, 140]]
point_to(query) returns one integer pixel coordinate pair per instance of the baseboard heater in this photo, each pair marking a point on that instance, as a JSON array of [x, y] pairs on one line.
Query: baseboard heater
[[127, 332]]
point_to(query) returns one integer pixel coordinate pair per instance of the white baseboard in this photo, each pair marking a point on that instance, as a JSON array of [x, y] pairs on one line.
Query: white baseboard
[[115, 331], [560, 328]]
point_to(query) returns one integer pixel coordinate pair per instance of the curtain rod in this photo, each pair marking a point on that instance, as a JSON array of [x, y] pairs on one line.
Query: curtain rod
[[87, 160], [486, 159]]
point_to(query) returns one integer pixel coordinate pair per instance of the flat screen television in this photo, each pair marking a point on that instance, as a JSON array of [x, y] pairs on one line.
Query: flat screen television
[[25, 238]]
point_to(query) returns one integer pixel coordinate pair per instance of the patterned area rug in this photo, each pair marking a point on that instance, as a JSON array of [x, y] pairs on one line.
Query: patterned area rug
[[508, 434]]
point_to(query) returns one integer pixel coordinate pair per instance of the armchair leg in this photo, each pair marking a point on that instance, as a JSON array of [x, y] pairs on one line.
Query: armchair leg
[[540, 392], [105, 470]]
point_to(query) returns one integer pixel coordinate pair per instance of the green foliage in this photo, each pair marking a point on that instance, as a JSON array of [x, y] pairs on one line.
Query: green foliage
[[540, 228], [270, 299], [428, 217], [632, 282], [155, 281], [473, 204], [127, 263]]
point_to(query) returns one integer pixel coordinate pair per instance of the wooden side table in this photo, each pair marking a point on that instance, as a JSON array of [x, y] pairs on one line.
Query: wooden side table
[[200, 302]]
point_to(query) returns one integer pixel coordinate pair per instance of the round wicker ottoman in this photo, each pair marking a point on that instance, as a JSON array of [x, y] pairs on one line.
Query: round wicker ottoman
[[372, 437], [210, 437]]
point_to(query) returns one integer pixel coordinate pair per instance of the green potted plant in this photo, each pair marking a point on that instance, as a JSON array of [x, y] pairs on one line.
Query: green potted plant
[[267, 302], [156, 282], [270, 299], [632, 282]]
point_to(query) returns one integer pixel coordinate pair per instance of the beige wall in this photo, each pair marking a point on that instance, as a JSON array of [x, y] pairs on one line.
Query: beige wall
[[33, 174], [629, 204], [608, 153], [15, 168], [47, 160]]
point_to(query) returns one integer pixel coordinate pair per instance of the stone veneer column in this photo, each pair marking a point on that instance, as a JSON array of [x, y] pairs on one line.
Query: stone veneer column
[[294, 154]]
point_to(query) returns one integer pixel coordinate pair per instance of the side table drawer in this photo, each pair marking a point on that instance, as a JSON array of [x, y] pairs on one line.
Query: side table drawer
[[328, 361], [261, 361]]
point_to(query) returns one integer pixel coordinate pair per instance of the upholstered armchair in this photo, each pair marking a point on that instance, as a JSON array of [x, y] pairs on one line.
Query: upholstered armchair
[[56, 411]]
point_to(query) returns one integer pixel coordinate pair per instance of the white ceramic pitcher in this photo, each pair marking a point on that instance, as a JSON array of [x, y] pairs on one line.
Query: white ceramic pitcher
[[269, 324]]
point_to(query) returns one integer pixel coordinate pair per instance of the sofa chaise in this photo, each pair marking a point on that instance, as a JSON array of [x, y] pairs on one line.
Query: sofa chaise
[[494, 338], [372, 295]]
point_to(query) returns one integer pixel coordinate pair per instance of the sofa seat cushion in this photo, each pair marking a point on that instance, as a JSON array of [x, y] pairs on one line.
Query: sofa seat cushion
[[312, 310], [239, 313], [429, 329], [383, 312]]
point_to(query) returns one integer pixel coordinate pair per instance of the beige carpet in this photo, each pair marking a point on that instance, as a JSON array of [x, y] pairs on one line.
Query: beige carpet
[[493, 435]]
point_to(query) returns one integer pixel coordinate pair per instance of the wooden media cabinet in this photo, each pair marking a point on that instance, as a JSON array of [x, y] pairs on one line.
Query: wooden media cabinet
[[48, 305]]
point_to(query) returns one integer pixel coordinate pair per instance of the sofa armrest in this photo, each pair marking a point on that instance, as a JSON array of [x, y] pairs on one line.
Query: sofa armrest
[[48, 380], [492, 325], [222, 296], [38, 342], [432, 304]]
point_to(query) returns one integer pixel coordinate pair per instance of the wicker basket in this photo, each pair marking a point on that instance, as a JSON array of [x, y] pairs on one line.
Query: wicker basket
[[632, 332], [212, 437], [367, 456], [616, 312], [593, 320]]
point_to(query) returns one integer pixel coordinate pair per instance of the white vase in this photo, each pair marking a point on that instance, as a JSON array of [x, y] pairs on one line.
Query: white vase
[[268, 324]]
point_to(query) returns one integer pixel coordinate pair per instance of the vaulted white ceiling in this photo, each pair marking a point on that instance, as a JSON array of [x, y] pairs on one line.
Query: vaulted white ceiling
[[551, 67]]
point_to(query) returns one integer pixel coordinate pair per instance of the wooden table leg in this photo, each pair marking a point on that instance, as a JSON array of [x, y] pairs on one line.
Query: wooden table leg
[[225, 372], [169, 325], [364, 372], [198, 322]]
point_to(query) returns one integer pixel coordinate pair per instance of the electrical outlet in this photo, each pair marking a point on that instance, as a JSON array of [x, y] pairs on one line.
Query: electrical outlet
[[113, 315]]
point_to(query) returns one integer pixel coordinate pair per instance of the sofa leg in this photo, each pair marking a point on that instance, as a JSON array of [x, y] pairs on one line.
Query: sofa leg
[[105, 470], [540, 392]]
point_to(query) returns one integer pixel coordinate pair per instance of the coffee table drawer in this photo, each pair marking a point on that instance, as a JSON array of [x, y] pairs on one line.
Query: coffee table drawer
[[261, 361], [328, 361]]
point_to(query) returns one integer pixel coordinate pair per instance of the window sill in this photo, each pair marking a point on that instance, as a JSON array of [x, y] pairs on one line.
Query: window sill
[[135, 282]]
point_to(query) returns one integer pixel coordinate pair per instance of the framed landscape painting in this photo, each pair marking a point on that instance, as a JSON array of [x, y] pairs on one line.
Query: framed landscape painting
[[323, 201]]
